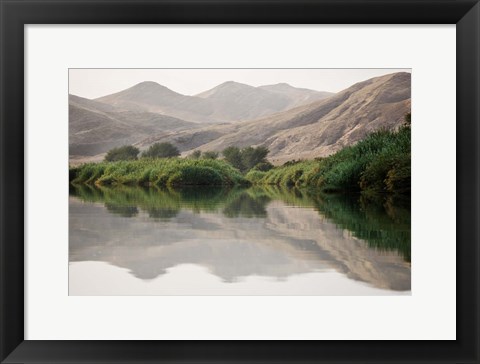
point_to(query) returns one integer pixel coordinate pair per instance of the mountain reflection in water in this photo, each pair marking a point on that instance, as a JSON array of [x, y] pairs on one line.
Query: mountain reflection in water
[[263, 241]]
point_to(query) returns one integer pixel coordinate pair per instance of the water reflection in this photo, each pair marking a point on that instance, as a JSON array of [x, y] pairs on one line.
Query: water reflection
[[240, 236]]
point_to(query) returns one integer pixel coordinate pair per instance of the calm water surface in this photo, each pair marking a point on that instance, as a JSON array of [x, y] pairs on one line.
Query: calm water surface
[[214, 241]]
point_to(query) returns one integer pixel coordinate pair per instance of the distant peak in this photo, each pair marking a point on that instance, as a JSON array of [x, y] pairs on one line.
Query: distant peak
[[231, 86], [233, 83], [281, 85], [226, 88], [150, 86], [148, 83]]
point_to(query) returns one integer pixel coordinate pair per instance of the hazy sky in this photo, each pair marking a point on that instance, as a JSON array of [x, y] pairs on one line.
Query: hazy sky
[[93, 83]]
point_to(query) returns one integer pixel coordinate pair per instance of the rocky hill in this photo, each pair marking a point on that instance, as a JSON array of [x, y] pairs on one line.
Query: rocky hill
[[227, 102], [95, 127], [297, 96], [153, 97], [317, 129]]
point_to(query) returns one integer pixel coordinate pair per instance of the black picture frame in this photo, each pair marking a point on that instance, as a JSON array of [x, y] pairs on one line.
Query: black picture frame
[[15, 14]]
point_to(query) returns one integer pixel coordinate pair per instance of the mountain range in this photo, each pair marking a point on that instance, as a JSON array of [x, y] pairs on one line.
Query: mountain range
[[95, 127], [293, 123], [227, 102]]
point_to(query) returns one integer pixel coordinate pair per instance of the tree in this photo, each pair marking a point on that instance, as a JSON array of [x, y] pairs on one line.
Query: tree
[[210, 155], [407, 119], [125, 153], [161, 150], [234, 157], [253, 156], [196, 154], [246, 158]]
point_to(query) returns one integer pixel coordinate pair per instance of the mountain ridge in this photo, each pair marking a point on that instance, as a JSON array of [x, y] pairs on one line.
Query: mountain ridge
[[310, 130], [314, 130], [95, 127], [228, 102]]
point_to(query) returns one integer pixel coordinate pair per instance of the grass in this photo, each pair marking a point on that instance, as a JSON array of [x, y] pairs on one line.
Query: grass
[[378, 164], [158, 172]]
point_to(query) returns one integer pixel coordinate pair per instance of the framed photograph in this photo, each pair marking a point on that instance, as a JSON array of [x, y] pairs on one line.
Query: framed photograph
[[239, 181]]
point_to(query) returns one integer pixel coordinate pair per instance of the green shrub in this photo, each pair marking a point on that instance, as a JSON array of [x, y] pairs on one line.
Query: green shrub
[[89, 172], [253, 156], [195, 154], [161, 150], [210, 155], [254, 176], [160, 172], [345, 175], [373, 176], [125, 153], [263, 166], [291, 163], [195, 175], [73, 173], [398, 177], [247, 158], [380, 164], [234, 157]]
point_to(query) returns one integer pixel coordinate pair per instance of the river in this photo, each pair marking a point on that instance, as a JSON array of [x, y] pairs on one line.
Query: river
[[216, 241]]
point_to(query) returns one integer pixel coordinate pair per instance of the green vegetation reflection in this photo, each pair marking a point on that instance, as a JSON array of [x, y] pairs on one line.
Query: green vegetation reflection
[[383, 224], [167, 202]]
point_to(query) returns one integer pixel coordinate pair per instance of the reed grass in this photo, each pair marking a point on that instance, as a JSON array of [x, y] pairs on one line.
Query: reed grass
[[378, 164], [158, 172]]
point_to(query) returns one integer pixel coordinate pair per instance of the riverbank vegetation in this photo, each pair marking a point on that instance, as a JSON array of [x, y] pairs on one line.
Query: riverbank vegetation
[[125, 153], [161, 150], [247, 158], [378, 164], [158, 172]]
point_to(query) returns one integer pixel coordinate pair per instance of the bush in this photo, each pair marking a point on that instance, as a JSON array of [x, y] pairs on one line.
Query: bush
[[89, 172], [263, 166], [253, 156], [196, 154], [344, 175], [73, 173], [379, 164], [125, 153], [254, 176], [161, 150], [374, 175], [291, 163], [210, 155], [398, 178], [195, 175], [247, 158], [234, 157]]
